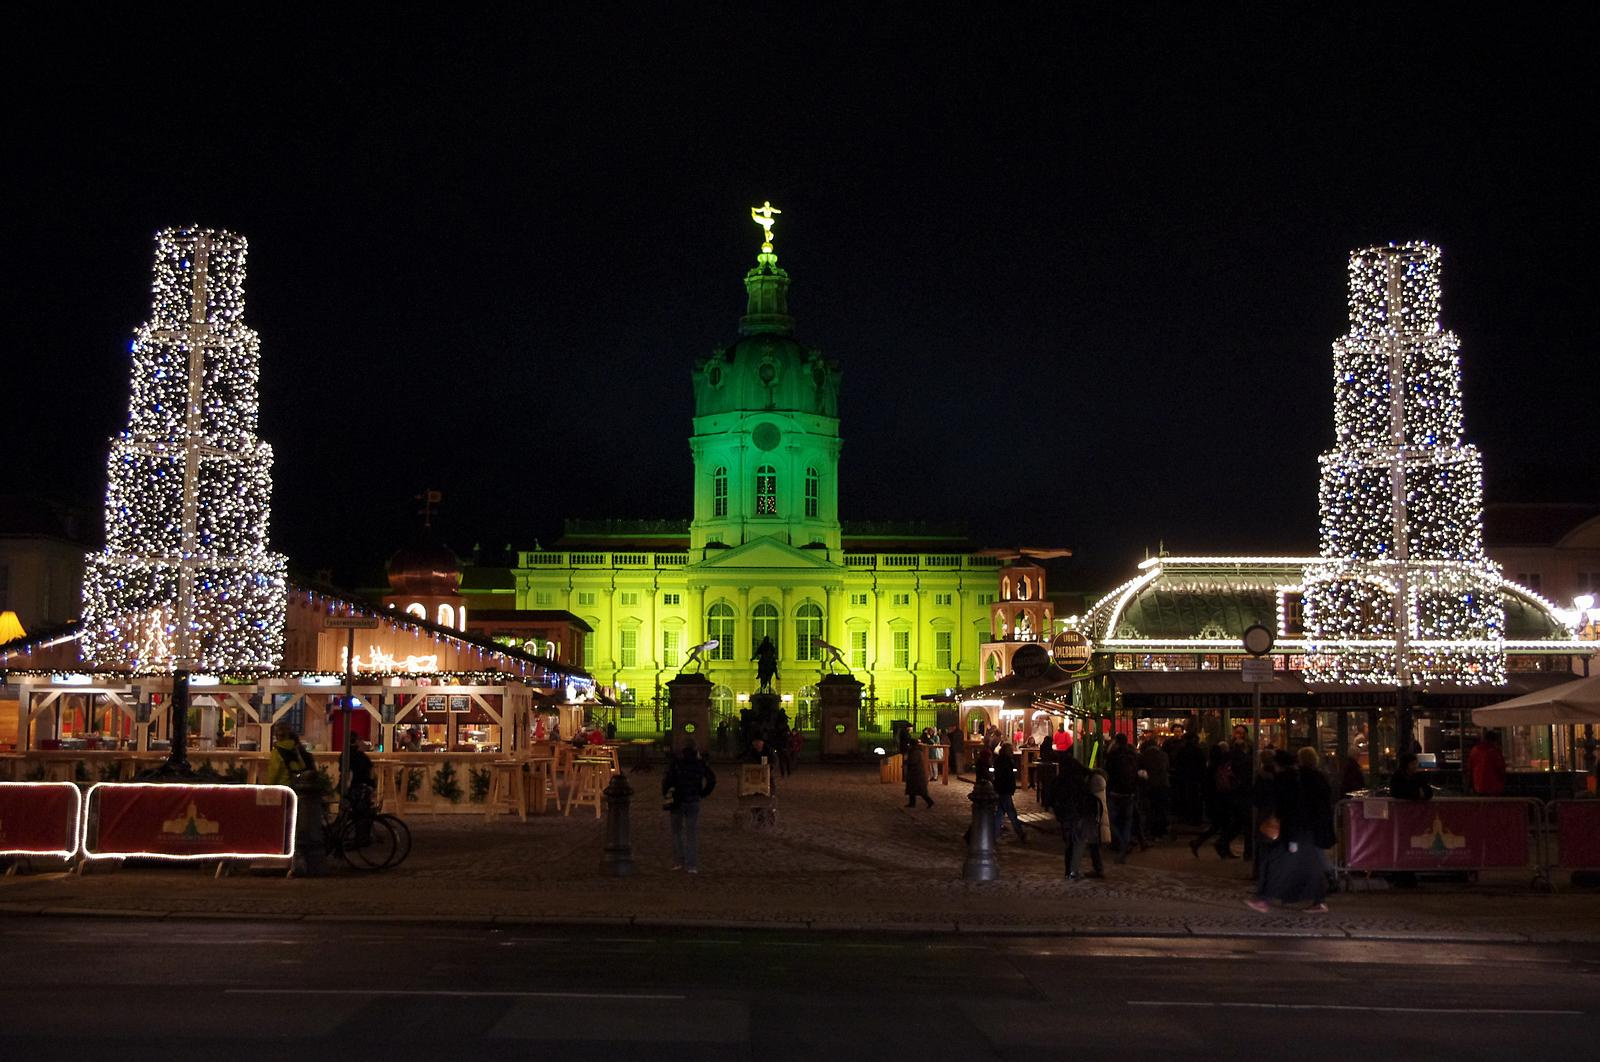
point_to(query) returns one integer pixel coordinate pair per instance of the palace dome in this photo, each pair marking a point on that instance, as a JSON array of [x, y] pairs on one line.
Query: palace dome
[[425, 570]]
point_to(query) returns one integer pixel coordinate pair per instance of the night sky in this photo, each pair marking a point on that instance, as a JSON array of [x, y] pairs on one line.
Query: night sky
[[1082, 272]]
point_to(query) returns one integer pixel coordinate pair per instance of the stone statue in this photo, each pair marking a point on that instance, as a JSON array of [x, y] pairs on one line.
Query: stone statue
[[835, 657], [762, 215], [766, 659], [695, 658]]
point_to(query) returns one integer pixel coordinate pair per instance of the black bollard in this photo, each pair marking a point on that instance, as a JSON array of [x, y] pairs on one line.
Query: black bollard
[[980, 864], [617, 860]]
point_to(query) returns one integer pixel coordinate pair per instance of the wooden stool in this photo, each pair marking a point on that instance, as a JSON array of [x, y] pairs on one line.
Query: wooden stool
[[541, 783], [564, 755], [392, 788], [508, 790], [589, 783]]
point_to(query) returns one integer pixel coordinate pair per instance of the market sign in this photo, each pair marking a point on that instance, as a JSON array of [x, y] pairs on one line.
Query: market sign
[[149, 820], [1071, 651], [1030, 661]]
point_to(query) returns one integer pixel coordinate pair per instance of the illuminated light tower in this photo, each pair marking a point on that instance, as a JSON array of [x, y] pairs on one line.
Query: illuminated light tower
[[1405, 595], [185, 582]]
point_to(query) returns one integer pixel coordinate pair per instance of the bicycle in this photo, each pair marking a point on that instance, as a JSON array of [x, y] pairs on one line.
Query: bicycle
[[366, 839]]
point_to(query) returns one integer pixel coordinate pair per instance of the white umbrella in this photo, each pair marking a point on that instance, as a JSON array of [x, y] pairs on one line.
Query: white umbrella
[[1570, 702]]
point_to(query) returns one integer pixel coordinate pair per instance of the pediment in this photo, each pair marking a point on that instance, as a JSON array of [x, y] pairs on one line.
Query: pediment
[[768, 553]]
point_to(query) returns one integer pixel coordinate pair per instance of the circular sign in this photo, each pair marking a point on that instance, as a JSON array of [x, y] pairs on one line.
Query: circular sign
[[1257, 640], [1030, 661], [689, 728], [838, 728], [1070, 650], [766, 436]]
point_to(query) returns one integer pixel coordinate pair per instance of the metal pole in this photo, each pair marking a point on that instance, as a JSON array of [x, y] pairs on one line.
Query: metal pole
[[178, 756], [344, 747], [980, 863], [1255, 759], [617, 858]]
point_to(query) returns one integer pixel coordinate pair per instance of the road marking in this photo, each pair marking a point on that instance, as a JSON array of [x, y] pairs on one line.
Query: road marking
[[718, 943], [1342, 1006], [793, 944], [622, 940], [874, 947], [451, 993]]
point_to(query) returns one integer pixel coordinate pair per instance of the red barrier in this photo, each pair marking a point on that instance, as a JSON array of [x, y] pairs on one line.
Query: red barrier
[[164, 821], [1577, 834], [1442, 834], [39, 819]]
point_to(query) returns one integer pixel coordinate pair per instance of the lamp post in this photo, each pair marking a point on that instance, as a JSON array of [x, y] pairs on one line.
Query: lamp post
[[1587, 627]]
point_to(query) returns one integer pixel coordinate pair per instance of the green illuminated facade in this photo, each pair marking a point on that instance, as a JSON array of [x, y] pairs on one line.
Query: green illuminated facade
[[765, 554]]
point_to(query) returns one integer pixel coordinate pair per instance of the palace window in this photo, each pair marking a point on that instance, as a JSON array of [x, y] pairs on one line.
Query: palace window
[[858, 650], [630, 597], [544, 598], [672, 599], [813, 491], [901, 600], [719, 492], [719, 626], [902, 650], [629, 646], [588, 654], [941, 650], [766, 491], [764, 622], [858, 599], [807, 629], [669, 648], [942, 599], [586, 597]]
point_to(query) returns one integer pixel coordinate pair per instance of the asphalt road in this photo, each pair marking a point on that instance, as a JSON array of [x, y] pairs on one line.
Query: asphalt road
[[236, 990]]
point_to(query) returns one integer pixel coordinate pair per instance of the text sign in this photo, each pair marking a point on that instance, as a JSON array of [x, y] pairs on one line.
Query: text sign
[[39, 818], [1070, 651], [1256, 669], [355, 623], [158, 821]]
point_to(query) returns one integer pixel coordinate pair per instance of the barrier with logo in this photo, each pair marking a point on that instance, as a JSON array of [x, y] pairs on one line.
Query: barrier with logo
[[1473, 833], [173, 821], [39, 819], [1577, 834]]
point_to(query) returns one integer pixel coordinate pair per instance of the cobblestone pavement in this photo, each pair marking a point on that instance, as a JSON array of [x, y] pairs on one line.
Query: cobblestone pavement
[[845, 852]]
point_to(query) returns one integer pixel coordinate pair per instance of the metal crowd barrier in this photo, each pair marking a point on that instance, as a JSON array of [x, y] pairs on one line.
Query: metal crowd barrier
[[1381, 835], [1574, 831]]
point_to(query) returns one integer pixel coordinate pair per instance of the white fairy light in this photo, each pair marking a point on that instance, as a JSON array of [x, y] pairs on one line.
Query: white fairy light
[[1405, 594], [185, 580]]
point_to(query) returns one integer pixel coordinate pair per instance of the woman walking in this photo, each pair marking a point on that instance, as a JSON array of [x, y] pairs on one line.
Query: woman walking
[[915, 769]]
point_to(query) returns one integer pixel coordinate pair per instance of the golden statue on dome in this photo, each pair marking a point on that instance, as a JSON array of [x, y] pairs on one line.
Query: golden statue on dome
[[763, 216]]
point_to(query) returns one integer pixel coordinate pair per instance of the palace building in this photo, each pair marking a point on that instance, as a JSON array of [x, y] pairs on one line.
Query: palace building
[[764, 555]]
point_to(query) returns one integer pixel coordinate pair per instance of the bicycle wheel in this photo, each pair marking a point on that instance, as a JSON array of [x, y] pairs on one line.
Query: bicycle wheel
[[402, 834], [370, 845]]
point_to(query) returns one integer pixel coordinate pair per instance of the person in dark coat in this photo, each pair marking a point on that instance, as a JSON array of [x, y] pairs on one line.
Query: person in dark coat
[[688, 780], [1408, 782], [1005, 788], [1188, 777], [1155, 788], [915, 770], [1122, 791], [1292, 870], [1078, 809], [1218, 788]]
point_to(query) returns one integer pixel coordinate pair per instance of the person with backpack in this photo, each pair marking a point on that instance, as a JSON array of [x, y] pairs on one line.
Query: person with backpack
[[1219, 789], [689, 779], [1079, 810]]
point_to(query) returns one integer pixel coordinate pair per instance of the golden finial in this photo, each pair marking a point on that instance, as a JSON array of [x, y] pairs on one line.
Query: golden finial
[[762, 215]]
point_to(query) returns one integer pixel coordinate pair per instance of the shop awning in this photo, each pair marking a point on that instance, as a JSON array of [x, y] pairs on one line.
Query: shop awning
[[1569, 702]]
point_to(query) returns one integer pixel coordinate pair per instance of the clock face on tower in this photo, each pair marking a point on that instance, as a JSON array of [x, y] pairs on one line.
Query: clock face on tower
[[766, 436]]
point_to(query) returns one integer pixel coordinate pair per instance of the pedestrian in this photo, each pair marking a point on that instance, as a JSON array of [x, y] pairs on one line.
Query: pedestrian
[[796, 740], [291, 763], [1122, 770], [914, 768], [1188, 775], [1218, 794], [1156, 787], [956, 739], [1005, 789], [1291, 871], [1407, 783], [1486, 766], [1080, 812], [1351, 777], [1316, 796], [689, 779]]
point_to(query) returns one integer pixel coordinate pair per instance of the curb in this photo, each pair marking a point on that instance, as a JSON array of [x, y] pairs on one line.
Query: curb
[[1532, 938]]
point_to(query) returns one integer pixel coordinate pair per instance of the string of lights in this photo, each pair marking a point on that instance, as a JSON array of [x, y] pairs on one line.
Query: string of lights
[[186, 580], [1405, 594]]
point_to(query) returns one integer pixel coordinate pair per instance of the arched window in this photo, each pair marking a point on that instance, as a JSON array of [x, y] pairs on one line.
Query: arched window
[[813, 492], [719, 491], [417, 609], [719, 626], [807, 629], [722, 702], [1024, 627], [447, 616], [766, 491], [764, 624]]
